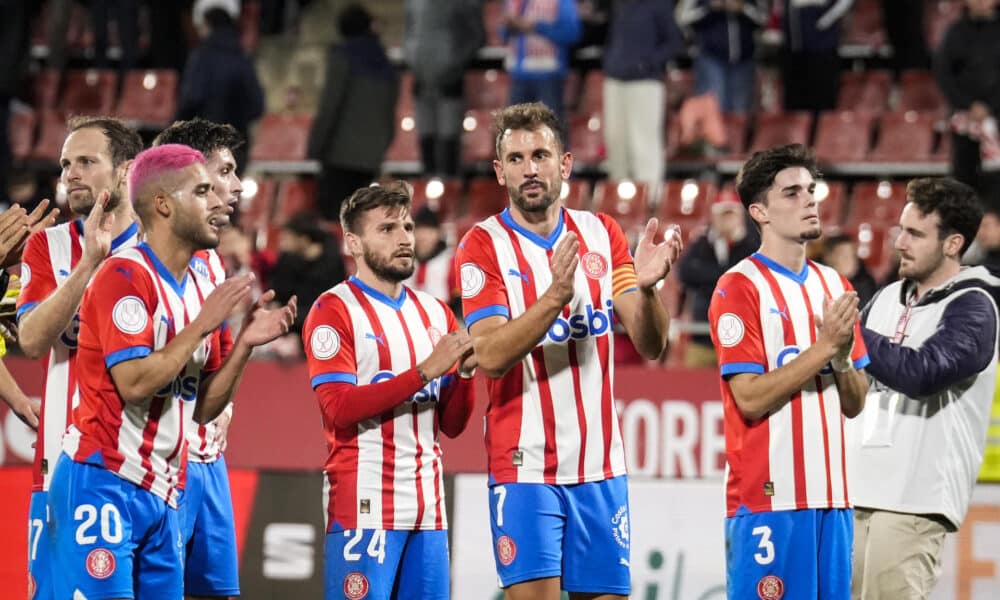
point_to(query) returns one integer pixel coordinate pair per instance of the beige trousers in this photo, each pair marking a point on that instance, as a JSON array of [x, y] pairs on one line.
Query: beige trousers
[[896, 556]]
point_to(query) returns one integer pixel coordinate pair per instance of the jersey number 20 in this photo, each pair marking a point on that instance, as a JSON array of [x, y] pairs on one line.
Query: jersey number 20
[[111, 524]]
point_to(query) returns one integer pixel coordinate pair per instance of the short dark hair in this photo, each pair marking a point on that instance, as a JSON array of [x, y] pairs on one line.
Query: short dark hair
[[218, 18], [530, 116], [307, 224], [756, 176], [201, 134], [354, 20], [371, 197], [955, 203], [124, 143], [831, 242]]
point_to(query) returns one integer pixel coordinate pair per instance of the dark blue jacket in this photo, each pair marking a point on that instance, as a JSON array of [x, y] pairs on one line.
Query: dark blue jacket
[[721, 35], [642, 37], [813, 28]]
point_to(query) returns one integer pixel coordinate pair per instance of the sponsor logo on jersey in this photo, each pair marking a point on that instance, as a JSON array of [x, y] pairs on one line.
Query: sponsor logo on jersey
[[184, 387], [595, 266], [473, 280], [729, 330], [356, 586], [69, 335], [788, 353], [199, 266], [129, 315], [770, 587], [620, 526], [324, 342], [100, 563], [429, 393], [506, 550], [591, 322]]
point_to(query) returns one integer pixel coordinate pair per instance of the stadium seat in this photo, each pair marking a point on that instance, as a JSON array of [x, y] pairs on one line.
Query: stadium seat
[[626, 201], [832, 198], [51, 134], [842, 136], [572, 91], [486, 197], [863, 26], [938, 17], [685, 198], [877, 203], [45, 88], [492, 22], [255, 211], [781, 128], [875, 247], [282, 137], [576, 194], [250, 26], [444, 196], [22, 133], [89, 92], [149, 97], [919, 91], [486, 89], [592, 94], [403, 152], [586, 139], [865, 91], [478, 144], [904, 137], [295, 196], [679, 87]]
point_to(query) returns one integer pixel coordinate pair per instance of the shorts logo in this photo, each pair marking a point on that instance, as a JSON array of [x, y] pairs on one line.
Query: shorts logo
[[324, 342], [619, 526], [435, 334], [770, 587], [25, 275], [355, 586], [506, 550], [32, 586], [594, 265], [473, 280], [100, 563], [129, 315], [729, 330]]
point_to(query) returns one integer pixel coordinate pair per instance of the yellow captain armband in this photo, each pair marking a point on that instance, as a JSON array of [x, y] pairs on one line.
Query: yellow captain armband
[[623, 279]]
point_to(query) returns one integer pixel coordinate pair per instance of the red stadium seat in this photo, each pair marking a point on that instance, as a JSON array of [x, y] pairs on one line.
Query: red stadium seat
[[149, 97], [904, 137], [250, 26], [875, 247], [446, 197], [404, 150], [572, 92], [255, 211], [89, 92], [51, 134], [282, 137], [592, 98], [478, 144], [492, 21], [486, 197], [586, 138], [918, 90], [876, 203], [832, 198], [685, 199], [45, 88], [486, 89], [863, 25], [865, 91], [842, 136], [679, 86], [576, 194], [295, 196], [781, 128], [626, 201], [22, 133]]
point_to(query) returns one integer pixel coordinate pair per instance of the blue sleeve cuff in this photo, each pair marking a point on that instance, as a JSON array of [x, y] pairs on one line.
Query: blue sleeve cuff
[[862, 362], [495, 310], [322, 378], [125, 354], [737, 368], [25, 308]]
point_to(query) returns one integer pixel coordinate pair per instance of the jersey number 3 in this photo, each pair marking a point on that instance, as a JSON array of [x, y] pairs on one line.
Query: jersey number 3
[[766, 556]]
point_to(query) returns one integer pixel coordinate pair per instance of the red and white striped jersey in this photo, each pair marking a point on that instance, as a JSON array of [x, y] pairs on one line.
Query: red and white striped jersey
[[133, 308], [203, 445], [762, 316], [436, 276], [48, 259], [385, 472], [551, 417]]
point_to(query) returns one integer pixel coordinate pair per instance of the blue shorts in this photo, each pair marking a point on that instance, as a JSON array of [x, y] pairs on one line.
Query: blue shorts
[[792, 554], [207, 524], [577, 532], [40, 574], [376, 564], [111, 538]]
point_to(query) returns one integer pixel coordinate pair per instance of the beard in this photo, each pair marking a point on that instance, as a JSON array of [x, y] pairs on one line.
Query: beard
[[385, 270], [86, 203], [919, 272], [540, 204], [811, 234], [195, 232]]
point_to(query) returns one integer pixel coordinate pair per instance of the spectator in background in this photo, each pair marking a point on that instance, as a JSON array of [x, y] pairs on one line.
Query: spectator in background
[[14, 36], [641, 39], [987, 244], [727, 242], [357, 111], [810, 63], [966, 66], [442, 37], [539, 34], [904, 26], [433, 273], [841, 253], [723, 32], [220, 83], [309, 263], [125, 14]]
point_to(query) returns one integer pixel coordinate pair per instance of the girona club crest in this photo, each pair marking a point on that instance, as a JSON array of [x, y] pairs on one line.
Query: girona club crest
[[100, 563], [506, 550], [594, 265], [770, 587], [355, 586]]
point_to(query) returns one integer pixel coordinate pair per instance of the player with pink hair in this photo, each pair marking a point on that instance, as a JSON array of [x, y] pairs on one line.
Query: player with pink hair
[[149, 361]]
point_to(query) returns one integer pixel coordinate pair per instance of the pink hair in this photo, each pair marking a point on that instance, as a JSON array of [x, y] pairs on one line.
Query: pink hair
[[151, 164]]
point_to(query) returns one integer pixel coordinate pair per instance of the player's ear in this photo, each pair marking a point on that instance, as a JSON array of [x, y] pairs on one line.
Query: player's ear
[[952, 246], [758, 212], [161, 204], [353, 243], [498, 169]]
